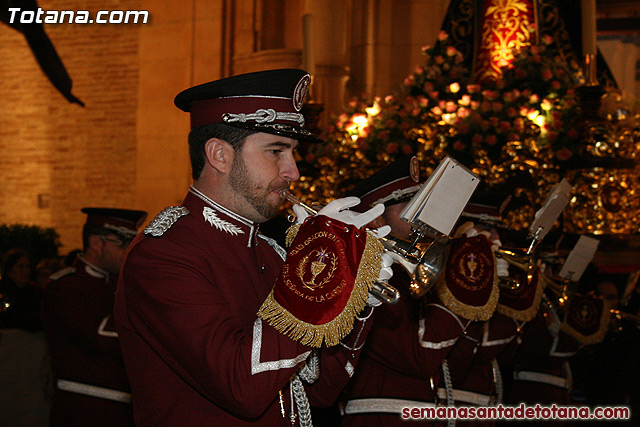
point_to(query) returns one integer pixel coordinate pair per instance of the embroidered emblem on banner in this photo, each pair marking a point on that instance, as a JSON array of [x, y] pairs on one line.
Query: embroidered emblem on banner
[[222, 225], [469, 286], [322, 258], [324, 282], [586, 319], [472, 268]]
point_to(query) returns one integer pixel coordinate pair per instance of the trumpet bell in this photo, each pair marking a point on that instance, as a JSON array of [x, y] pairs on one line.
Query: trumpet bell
[[516, 257], [429, 268]]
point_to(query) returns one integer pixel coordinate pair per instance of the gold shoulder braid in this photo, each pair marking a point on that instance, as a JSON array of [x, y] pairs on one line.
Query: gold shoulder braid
[[325, 281]]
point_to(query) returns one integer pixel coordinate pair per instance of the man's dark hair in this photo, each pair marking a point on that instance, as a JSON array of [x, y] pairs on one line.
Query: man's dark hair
[[199, 135]]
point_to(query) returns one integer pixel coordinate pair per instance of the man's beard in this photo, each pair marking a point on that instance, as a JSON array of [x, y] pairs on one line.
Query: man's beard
[[242, 183]]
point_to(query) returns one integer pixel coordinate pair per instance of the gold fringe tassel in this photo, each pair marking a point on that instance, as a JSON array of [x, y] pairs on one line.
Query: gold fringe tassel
[[529, 313], [598, 335], [467, 311]]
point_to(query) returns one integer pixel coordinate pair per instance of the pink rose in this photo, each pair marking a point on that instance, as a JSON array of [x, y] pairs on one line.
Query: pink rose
[[573, 134], [473, 88], [518, 124], [392, 147], [564, 154], [463, 112], [491, 140]]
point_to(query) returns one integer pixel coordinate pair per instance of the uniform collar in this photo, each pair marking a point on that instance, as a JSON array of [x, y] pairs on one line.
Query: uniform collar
[[92, 270], [223, 219]]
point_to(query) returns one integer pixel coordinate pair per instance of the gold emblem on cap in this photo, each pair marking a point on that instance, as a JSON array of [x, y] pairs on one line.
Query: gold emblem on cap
[[300, 92], [414, 169]]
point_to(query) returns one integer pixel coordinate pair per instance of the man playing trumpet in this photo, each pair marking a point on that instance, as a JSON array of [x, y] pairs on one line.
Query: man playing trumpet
[[195, 350]]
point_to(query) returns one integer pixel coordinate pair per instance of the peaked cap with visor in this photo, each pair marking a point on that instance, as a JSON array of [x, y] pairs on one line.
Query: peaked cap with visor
[[264, 101], [122, 222]]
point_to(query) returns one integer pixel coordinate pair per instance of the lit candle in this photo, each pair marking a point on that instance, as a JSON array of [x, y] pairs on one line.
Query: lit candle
[[588, 27], [589, 36]]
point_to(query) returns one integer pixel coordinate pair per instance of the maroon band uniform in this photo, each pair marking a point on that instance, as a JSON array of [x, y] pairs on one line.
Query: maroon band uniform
[[400, 364], [91, 383], [195, 351]]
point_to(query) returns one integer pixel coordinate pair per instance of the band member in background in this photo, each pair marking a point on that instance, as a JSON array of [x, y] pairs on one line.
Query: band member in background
[[91, 386], [400, 363]]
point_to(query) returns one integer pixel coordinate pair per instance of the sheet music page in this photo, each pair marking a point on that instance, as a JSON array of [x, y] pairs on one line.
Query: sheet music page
[[415, 205], [579, 258], [551, 209], [448, 197]]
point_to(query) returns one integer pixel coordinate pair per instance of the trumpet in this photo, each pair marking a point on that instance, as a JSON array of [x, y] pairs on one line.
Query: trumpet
[[520, 259], [381, 290]]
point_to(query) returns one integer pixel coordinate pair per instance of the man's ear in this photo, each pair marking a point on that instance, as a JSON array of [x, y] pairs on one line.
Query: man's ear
[[219, 154]]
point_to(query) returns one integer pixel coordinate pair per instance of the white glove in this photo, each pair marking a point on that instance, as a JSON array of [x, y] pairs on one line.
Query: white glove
[[338, 209], [386, 272], [300, 213]]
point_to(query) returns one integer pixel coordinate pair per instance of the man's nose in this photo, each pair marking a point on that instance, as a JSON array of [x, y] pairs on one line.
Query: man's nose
[[289, 170]]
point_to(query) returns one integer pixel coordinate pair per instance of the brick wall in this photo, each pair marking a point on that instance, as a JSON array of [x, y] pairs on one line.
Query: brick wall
[[57, 157]]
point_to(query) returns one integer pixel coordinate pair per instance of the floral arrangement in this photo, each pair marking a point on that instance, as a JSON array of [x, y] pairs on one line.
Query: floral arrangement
[[518, 133]]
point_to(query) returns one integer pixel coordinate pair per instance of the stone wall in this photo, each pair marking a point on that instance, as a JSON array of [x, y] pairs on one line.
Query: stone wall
[[57, 157]]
